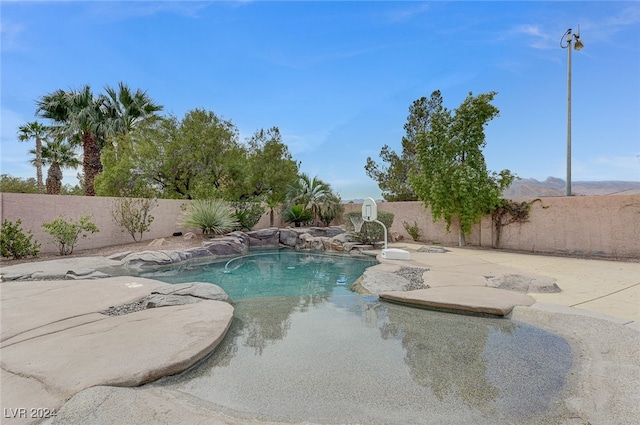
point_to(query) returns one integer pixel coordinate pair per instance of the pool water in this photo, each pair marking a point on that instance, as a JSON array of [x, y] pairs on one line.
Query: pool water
[[315, 352], [273, 273]]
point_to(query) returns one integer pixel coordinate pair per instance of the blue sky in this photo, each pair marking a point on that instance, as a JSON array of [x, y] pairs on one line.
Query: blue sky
[[338, 78]]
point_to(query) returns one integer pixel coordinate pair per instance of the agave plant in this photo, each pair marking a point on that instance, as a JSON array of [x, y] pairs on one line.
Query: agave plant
[[212, 216]]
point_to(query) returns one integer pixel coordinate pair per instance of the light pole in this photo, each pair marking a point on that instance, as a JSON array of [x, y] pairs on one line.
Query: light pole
[[567, 38]]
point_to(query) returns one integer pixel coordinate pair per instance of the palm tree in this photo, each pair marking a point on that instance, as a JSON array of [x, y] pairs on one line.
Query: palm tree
[[125, 109], [57, 155], [38, 131], [78, 118], [309, 193]]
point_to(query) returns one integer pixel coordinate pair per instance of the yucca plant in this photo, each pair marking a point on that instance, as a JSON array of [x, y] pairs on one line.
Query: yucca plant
[[212, 216]]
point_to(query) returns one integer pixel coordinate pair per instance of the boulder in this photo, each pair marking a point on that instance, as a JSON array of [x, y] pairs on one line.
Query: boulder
[[264, 238], [232, 244], [289, 237], [328, 232]]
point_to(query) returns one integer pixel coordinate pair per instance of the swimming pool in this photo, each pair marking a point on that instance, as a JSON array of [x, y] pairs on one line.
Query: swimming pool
[[273, 273], [333, 356]]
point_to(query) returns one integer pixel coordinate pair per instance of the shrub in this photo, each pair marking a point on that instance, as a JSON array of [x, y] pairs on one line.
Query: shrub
[[14, 243], [210, 216], [132, 215], [65, 233], [330, 208], [247, 214], [297, 214], [412, 229], [371, 232]]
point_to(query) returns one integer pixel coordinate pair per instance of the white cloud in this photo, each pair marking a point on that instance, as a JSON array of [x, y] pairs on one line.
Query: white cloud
[[625, 168], [10, 33]]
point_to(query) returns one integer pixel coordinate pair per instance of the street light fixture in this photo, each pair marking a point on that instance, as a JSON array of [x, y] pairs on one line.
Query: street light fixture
[[565, 43]]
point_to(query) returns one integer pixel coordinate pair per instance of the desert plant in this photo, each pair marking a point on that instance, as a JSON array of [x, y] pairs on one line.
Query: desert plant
[[132, 215], [212, 216], [247, 214], [297, 214], [370, 232], [412, 229], [15, 243], [65, 233]]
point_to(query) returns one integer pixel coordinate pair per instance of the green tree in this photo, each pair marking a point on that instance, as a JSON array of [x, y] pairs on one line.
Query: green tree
[[57, 155], [330, 208], [77, 117], [125, 109], [394, 178], [309, 192], [87, 120], [196, 157], [39, 132], [271, 169], [10, 184], [452, 177]]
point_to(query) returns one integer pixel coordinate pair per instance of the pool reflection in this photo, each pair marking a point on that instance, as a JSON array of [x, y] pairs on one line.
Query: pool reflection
[[345, 357]]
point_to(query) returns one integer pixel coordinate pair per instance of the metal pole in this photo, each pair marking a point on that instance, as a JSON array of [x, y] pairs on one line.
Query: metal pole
[[569, 38]]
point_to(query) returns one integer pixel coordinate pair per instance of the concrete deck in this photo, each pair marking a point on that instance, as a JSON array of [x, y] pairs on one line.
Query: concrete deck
[[55, 344]]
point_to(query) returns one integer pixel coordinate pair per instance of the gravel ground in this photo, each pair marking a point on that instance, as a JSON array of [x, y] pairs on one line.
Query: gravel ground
[[414, 276], [124, 309]]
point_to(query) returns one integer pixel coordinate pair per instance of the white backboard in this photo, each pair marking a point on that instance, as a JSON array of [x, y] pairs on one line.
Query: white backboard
[[369, 210]]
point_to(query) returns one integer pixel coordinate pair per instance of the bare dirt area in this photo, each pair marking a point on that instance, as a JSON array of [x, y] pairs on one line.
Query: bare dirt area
[[168, 243]]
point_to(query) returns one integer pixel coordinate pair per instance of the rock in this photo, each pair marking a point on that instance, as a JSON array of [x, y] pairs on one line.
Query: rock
[[157, 300], [197, 253], [395, 236], [156, 242], [344, 238], [119, 256], [91, 274], [350, 246], [202, 290], [234, 243], [149, 259], [289, 237], [264, 238], [328, 232], [189, 235]]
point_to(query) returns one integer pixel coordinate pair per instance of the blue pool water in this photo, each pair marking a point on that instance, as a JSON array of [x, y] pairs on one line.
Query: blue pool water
[[303, 348], [273, 273]]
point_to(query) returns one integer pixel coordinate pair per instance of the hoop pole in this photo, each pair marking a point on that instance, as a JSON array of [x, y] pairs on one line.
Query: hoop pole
[[385, 232]]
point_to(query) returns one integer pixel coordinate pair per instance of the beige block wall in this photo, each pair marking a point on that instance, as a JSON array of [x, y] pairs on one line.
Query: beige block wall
[[585, 225], [35, 210]]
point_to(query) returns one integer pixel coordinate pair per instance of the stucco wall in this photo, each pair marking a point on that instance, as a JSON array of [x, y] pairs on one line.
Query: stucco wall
[[586, 225], [34, 210], [583, 225]]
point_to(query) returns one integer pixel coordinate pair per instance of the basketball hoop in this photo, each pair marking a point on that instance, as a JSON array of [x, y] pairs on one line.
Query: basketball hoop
[[357, 222]]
